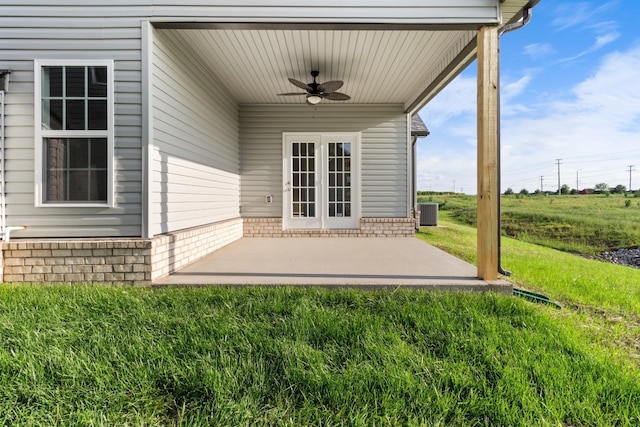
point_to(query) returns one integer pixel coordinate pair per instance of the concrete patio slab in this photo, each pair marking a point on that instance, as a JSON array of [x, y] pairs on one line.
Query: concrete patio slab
[[339, 262]]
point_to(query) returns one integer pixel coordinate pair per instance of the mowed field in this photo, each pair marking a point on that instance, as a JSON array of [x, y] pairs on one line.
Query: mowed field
[[585, 224]]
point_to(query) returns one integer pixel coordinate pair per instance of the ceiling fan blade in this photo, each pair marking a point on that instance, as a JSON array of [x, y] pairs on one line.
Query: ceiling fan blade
[[330, 86], [292, 93], [300, 84], [336, 96]]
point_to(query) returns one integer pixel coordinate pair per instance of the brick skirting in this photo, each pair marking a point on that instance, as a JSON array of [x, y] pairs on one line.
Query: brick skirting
[[141, 261], [369, 227], [116, 261]]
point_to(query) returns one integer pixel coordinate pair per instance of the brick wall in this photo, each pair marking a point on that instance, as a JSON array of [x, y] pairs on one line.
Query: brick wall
[[141, 261], [122, 261], [107, 261], [369, 227], [173, 251]]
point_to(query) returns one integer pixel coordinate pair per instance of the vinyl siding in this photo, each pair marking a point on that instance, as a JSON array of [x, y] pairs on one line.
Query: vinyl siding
[[196, 164], [70, 30], [383, 153], [111, 29], [335, 11]]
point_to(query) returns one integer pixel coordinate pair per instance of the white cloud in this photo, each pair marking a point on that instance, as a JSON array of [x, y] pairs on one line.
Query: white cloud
[[599, 43], [458, 99], [538, 50], [594, 127], [572, 14]]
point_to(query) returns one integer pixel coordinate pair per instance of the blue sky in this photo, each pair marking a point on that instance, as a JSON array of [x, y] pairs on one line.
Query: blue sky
[[570, 90]]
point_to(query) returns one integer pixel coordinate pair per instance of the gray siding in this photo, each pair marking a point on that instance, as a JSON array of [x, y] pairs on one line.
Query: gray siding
[[196, 164], [335, 11], [110, 29], [41, 30], [383, 153]]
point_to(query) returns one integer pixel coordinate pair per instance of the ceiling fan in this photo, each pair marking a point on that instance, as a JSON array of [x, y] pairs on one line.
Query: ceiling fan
[[316, 92]]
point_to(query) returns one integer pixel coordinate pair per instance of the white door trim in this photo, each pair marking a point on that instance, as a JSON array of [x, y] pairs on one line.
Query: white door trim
[[322, 219]]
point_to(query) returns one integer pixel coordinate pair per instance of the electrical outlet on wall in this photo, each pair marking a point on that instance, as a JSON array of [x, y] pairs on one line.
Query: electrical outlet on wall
[[269, 199]]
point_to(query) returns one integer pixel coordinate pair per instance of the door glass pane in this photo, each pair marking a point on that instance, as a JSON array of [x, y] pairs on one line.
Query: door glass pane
[[339, 179], [303, 180]]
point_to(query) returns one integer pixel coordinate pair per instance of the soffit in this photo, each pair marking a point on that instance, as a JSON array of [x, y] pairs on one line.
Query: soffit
[[378, 66]]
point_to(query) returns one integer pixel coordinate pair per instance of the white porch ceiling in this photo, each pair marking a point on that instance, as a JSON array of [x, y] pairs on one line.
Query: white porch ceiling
[[378, 66]]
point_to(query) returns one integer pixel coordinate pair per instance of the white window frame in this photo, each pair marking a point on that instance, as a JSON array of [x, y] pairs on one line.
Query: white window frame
[[41, 134]]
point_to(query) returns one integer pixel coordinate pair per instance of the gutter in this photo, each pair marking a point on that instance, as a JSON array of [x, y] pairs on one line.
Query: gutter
[[526, 17]]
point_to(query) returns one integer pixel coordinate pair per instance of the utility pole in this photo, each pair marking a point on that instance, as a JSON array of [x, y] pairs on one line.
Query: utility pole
[[454, 185], [558, 161], [577, 181], [541, 185], [631, 169]]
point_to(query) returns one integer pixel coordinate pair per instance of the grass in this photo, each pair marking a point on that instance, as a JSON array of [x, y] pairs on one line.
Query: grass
[[602, 300], [284, 356], [579, 224]]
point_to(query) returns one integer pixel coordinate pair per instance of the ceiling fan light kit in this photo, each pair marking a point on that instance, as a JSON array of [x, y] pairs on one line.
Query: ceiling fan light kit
[[316, 92], [313, 99]]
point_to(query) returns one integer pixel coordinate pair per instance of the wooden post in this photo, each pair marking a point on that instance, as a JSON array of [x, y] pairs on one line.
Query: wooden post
[[488, 122]]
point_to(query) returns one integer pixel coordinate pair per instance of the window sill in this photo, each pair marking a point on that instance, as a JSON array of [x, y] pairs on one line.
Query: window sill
[[74, 205]]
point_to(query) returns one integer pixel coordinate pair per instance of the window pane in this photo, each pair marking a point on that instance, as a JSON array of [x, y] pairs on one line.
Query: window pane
[[75, 115], [75, 81], [98, 82], [51, 81], [55, 149], [98, 188], [75, 169], [97, 114], [56, 185], [78, 186], [99, 153], [52, 114], [78, 153]]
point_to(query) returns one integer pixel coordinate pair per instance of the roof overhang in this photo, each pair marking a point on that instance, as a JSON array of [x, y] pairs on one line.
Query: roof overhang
[[382, 62]]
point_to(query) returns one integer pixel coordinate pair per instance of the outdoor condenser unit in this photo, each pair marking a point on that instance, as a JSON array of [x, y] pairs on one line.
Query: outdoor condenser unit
[[428, 214]]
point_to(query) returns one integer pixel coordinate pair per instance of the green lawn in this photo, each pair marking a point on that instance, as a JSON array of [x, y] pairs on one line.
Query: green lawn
[[601, 300], [586, 224], [97, 355], [256, 356]]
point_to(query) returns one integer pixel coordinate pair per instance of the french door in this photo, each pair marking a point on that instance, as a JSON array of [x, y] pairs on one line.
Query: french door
[[321, 180]]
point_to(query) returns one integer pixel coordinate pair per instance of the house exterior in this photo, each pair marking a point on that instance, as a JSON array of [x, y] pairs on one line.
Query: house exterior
[[140, 135]]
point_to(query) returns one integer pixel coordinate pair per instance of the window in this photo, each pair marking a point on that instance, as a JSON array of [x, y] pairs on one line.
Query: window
[[74, 133]]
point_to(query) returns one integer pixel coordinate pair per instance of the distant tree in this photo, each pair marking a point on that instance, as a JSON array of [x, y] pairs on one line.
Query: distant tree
[[524, 192], [601, 188], [565, 189], [619, 189], [508, 192], [538, 192], [573, 191]]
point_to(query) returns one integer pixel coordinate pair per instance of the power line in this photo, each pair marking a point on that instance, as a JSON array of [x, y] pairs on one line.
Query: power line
[[558, 162]]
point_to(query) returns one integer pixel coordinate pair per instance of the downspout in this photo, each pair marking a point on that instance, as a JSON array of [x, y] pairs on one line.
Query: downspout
[[526, 17], [4, 230], [4, 75]]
